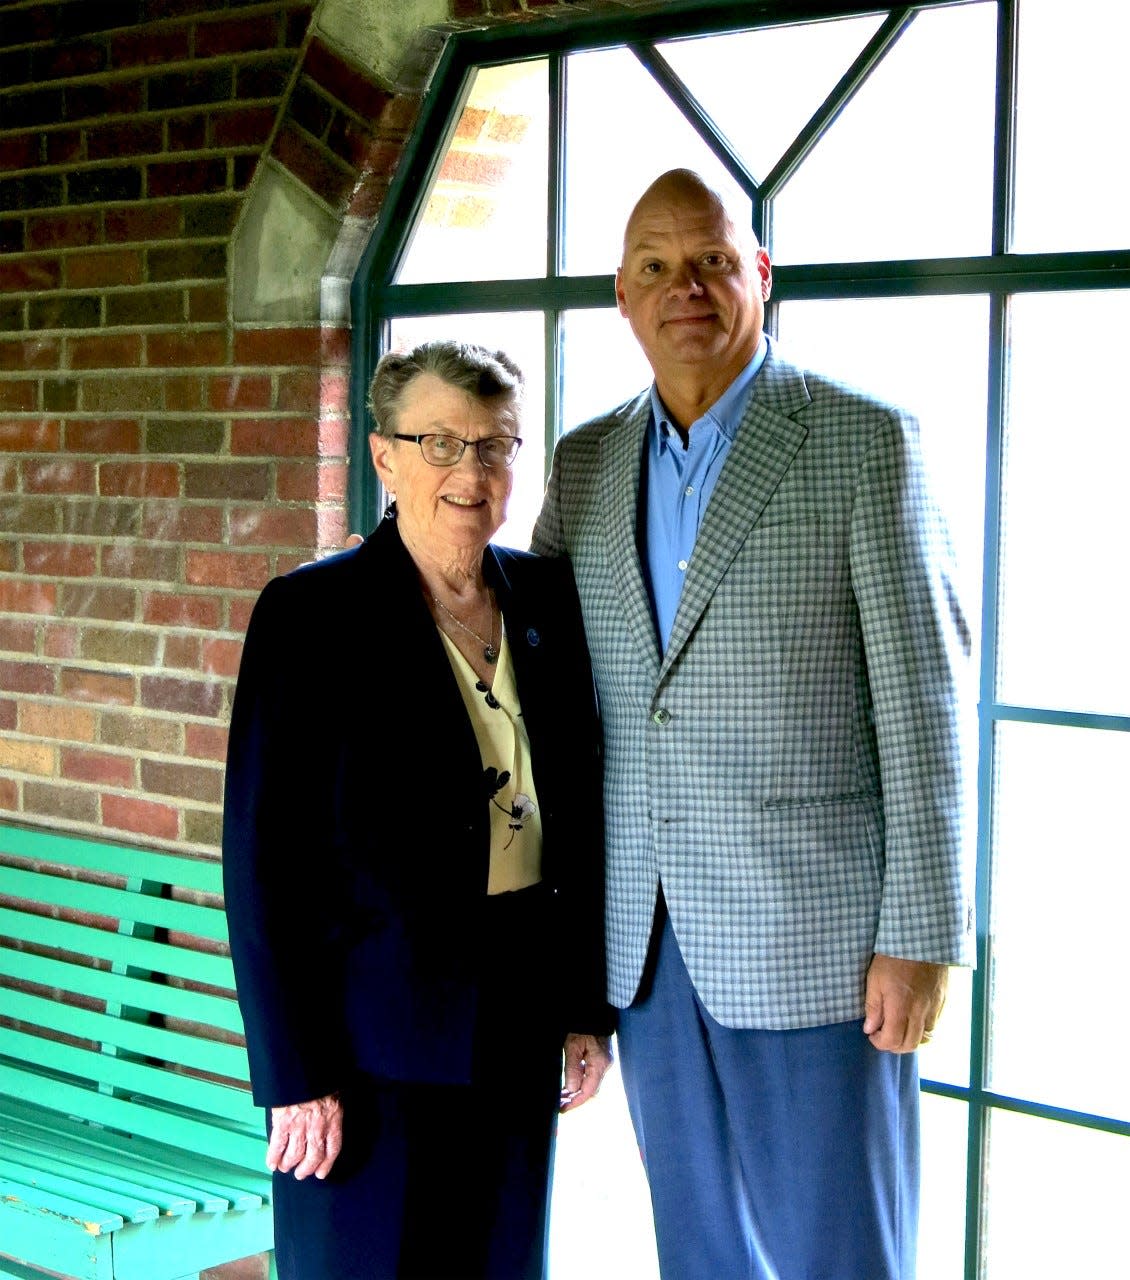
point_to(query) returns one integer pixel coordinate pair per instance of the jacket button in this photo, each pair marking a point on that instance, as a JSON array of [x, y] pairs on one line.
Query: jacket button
[[662, 716]]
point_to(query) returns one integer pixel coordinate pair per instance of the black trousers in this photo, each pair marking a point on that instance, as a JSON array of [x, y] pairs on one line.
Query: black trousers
[[447, 1182]]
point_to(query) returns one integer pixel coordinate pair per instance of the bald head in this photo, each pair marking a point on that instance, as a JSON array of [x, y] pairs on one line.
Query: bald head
[[693, 285]]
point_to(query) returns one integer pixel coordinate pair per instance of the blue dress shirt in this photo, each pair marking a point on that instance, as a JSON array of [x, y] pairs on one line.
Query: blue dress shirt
[[678, 482]]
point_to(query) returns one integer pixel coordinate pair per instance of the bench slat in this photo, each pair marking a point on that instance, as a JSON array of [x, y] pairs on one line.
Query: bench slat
[[212, 1056], [115, 859], [81, 1190], [47, 1155], [118, 948], [242, 1148], [117, 988], [212, 1184], [128, 1074], [119, 904], [92, 1220]]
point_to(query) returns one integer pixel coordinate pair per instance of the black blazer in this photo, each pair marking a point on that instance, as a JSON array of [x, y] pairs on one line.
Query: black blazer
[[356, 828]]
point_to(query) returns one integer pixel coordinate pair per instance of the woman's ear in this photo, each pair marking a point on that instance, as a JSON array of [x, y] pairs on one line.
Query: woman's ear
[[382, 452]]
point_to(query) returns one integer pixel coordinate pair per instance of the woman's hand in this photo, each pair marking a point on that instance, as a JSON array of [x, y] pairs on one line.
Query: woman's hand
[[305, 1137], [587, 1058]]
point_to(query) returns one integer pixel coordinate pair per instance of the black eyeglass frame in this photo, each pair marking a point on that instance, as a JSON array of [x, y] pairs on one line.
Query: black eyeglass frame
[[434, 435]]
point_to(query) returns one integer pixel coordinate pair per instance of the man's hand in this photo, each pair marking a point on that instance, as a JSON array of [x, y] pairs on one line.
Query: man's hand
[[903, 1001], [587, 1058], [305, 1137]]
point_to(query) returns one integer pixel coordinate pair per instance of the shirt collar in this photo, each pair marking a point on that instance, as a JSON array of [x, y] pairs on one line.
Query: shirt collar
[[725, 414]]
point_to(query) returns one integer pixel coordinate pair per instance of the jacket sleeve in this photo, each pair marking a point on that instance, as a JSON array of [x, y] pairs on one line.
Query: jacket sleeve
[[917, 649], [285, 942]]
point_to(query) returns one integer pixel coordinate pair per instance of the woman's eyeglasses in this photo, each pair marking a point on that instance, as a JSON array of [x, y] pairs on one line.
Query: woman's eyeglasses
[[445, 451]]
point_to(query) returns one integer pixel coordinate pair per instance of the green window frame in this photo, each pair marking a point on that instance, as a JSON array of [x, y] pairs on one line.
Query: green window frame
[[999, 275]]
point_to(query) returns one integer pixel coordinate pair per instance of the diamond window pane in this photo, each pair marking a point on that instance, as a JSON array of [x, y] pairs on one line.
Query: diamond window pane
[[486, 214], [906, 170], [1057, 1197], [521, 336], [793, 67], [618, 140], [1064, 627], [1072, 118], [1060, 1021]]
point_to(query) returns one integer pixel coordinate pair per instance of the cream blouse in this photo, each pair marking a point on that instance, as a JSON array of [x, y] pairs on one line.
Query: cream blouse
[[496, 715]]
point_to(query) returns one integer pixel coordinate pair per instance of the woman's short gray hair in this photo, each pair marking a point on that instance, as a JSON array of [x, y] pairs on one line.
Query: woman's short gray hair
[[487, 375]]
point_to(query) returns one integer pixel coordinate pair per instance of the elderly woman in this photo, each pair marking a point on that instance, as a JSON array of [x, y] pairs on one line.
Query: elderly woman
[[413, 858]]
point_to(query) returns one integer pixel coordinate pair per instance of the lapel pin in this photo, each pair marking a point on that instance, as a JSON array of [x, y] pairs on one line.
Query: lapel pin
[[532, 638]]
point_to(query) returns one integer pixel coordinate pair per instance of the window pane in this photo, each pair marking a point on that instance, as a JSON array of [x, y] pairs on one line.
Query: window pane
[[929, 354], [906, 171], [793, 67], [1072, 118], [486, 216], [1057, 1197], [600, 1209], [1058, 1025], [602, 364], [520, 335], [1064, 606], [946, 1058], [941, 1235], [621, 132]]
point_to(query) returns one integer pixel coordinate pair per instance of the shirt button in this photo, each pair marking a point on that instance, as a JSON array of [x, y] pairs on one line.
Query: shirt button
[[683, 565], [689, 490], [662, 716]]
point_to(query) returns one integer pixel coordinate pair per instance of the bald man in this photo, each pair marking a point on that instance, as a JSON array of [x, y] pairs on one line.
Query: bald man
[[782, 667]]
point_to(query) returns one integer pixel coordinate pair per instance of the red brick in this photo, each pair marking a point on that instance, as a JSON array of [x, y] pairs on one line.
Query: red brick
[[273, 527], [27, 677], [132, 559], [8, 715], [297, 482], [165, 609], [221, 657], [183, 653], [103, 687], [61, 559], [26, 354], [178, 350], [347, 82], [60, 801], [64, 230], [59, 476], [239, 614], [400, 113], [239, 391], [314, 166], [150, 46], [60, 641], [333, 393], [139, 479], [227, 481], [107, 436], [30, 275], [333, 438], [244, 127], [105, 351], [333, 481], [188, 133], [274, 438], [65, 146], [9, 795], [187, 781], [126, 813], [471, 123], [26, 597], [97, 600], [97, 766], [332, 527], [18, 397], [282, 346], [208, 304], [203, 741], [186, 177], [104, 269], [20, 151], [299, 392], [130, 138], [174, 522], [16, 636], [121, 394], [185, 697], [237, 35], [335, 346], [182, 394], [225, 569], [147, 222]]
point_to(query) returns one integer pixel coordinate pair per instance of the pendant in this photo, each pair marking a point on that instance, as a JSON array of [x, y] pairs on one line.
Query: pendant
[[490, 653]]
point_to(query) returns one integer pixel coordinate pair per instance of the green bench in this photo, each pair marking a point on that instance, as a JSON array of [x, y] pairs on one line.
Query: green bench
[[129, 1144]]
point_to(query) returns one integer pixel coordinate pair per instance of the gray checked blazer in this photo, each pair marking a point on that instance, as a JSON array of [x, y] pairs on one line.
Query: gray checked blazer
[[794, 769]]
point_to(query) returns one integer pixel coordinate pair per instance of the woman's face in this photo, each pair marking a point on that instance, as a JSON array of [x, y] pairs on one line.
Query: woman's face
[[445, 510]]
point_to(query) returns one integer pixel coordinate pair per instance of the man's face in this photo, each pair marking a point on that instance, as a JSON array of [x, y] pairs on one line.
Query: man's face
[[691, 286]]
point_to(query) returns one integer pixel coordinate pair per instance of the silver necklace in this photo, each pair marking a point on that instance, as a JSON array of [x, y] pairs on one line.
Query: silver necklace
[[490, 653]]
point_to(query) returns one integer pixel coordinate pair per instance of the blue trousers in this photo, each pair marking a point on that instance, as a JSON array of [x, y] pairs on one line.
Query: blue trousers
[[770, 1155]]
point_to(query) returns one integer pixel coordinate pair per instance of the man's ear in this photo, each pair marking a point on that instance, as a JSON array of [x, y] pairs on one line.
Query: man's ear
[[381, 451], [621, 301]]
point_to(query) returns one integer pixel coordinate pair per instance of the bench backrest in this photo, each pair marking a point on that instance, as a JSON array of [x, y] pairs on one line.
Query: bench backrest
[[117, 999]]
